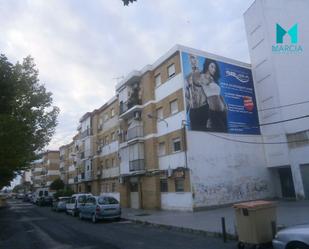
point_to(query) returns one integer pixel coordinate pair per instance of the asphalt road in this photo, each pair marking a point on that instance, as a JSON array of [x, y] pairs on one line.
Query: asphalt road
[[26, 226]]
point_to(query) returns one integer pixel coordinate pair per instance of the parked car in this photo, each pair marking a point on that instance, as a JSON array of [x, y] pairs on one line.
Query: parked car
[[100, 207], [27, 198], [292, 238], [60, 204], [73, 205]]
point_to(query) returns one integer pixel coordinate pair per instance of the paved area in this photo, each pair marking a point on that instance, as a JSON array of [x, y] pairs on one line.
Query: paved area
[[288, 213], [25, 226]]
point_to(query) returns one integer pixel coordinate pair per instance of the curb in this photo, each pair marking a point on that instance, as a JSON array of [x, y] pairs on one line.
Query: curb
[[183, 229]]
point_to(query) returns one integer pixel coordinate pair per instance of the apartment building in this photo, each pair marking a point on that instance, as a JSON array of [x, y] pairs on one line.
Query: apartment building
[[46, 169], [280, 77], [177, 136]]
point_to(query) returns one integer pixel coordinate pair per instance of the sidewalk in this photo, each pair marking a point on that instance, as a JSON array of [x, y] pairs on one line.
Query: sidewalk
[[209, 222]]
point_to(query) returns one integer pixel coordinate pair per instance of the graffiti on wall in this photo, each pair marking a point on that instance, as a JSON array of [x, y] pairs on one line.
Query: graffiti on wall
[[245, 188]]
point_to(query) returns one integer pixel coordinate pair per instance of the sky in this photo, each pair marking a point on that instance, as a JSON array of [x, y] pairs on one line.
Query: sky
[[82, 47]]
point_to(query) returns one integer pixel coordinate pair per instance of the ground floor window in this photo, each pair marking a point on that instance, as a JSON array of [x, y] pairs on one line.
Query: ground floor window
[[179, 185], [163, 185]]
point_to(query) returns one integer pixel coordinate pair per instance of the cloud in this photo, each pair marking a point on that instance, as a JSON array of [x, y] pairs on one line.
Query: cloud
[[81, 46]]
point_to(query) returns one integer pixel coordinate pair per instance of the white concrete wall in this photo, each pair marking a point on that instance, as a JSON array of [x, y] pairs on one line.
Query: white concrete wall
[[110, 123], [53, 173], [177, 201], [71, 180], [169, 87], [280, 79], [111, 172], [110, 148], [173, 123], [173, 161], [224, 172]]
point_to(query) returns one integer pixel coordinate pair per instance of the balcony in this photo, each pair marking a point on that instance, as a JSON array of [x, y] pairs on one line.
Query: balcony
[[135, 132], [75, 179], [82, 155], [137, 165], [85, 133]]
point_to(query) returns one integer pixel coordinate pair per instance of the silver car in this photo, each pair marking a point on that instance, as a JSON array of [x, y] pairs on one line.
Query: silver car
[[100, 207], [296, 237]]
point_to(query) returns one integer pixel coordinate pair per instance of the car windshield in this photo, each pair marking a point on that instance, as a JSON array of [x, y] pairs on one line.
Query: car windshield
[[82, 199], [107, 200]]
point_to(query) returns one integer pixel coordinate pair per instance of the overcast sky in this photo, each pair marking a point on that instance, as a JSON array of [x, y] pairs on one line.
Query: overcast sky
[[80, 46]]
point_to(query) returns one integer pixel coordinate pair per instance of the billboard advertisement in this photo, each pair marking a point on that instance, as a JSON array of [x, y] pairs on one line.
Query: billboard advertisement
[[219, 96]]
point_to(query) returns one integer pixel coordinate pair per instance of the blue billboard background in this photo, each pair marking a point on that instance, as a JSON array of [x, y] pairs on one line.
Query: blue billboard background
[[235, 107]]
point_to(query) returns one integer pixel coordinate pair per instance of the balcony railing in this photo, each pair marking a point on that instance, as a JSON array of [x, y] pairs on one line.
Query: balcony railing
[[137, 165], [135, 132]]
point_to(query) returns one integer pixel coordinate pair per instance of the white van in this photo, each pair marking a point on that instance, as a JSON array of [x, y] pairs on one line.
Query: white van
[[72, 206], [39, 193]]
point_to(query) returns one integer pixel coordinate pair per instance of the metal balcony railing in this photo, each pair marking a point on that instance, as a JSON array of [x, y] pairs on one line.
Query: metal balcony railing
[[137, 165]]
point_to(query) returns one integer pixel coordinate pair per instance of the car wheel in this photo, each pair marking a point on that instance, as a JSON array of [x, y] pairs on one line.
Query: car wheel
[[80, 216], [94, 218], [240, 245], [297, 245]]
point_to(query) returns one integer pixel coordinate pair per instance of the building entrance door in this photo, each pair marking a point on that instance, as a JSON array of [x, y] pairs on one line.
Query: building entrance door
[[134, 195], [287, 185], [304, 169]]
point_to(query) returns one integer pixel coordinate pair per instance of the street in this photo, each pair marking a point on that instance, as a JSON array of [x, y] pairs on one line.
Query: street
[[24, 225]]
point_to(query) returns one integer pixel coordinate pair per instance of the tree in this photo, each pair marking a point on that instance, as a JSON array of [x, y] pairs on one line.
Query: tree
[[57, 184], [27, 117], [126, 2]]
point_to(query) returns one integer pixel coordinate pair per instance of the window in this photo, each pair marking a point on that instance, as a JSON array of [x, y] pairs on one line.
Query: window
[[163, 185], [176, 145], [159, 114], [179, 185], [171, 70], [161, 149], [112, 112], [113, 187], [113, 137], [174, 106], [100, 126], [158, 80], [106, 163], [113, 162]]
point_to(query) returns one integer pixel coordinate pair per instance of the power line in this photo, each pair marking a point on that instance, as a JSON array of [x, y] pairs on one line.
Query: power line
[[282, 106], [250, 142], [286, 120]]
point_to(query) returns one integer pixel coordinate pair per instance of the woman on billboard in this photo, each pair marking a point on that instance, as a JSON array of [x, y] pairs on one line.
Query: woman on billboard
[[217, 120], [196, 99]]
